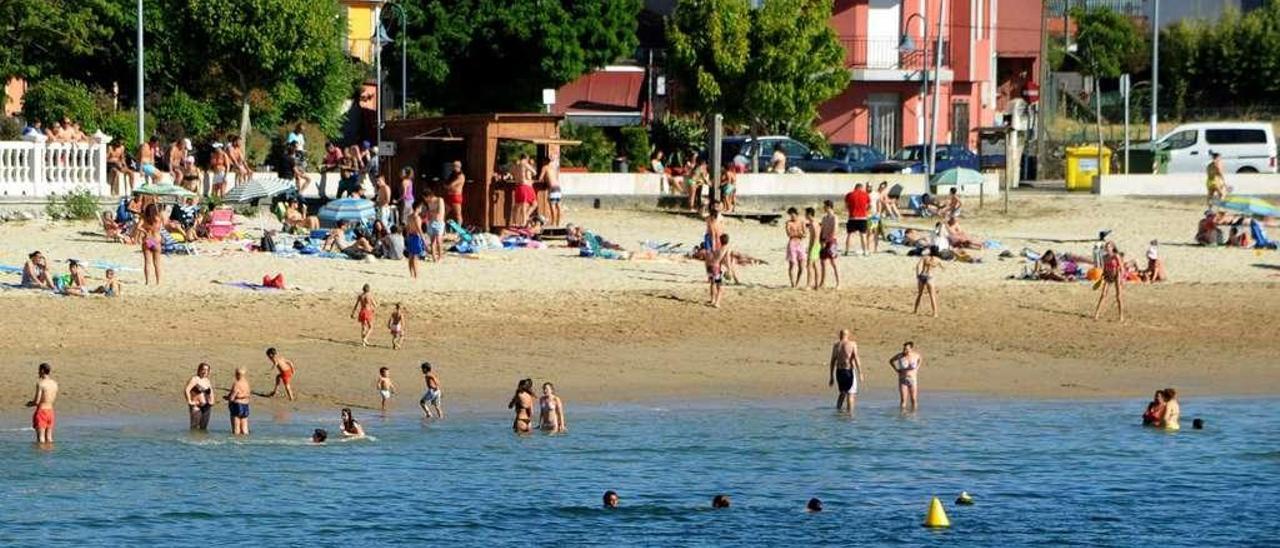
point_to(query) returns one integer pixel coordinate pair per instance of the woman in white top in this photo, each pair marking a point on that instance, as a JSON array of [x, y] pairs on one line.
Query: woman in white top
[[551, 411]]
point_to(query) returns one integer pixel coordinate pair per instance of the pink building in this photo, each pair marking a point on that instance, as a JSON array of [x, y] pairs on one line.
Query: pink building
[[884, 105]]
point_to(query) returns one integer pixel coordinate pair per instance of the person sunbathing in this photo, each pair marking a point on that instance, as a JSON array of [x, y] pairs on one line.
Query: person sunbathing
[[35, 273], [1047, 268], [959, 238], [1241, 234], [113, 230], [295, 217], [532, 232], [336, 241]]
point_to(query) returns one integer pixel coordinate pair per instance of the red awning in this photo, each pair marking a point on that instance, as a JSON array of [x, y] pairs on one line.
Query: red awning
[[601, 91]]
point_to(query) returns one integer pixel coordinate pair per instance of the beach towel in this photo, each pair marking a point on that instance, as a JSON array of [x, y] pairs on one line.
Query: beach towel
[[594, 248], [170, 246], [249, 286], [463, 234], [1260, 239], [11, 269]]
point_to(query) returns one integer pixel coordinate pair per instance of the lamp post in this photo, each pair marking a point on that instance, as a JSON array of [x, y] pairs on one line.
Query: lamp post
[[142, 138], [403, 37], [1155, 66], [937, 91], [908, 46], [380, 39]]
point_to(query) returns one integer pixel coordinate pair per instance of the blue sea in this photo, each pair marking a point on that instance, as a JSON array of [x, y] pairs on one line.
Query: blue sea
[[1041, 472]]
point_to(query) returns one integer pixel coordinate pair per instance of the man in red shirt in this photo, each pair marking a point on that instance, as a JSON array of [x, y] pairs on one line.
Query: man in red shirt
[[858, 203]]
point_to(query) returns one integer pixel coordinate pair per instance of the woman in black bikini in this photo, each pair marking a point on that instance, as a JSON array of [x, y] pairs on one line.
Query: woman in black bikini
[[522, 402]]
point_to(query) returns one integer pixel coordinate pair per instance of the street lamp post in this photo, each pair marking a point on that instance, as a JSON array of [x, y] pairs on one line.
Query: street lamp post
[[380, 40], [908, 46], [403, 38], [142, 138], [1155, 67], [937, 91]]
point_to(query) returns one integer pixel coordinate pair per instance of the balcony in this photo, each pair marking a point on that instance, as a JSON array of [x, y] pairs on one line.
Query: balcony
[[885, 54]]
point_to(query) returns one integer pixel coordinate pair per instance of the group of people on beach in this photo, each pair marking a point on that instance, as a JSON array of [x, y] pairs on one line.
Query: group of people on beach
[[845, 373], [36, 275]]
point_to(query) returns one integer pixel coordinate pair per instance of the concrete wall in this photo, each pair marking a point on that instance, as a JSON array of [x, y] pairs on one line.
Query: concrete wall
[[1183, 184], [764, 184]]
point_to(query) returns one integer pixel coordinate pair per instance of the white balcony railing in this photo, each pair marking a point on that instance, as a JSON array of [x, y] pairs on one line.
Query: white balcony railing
[[38, 170]]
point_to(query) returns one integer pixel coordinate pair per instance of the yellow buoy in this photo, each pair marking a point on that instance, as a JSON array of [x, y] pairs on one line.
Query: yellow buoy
[[937, 516]]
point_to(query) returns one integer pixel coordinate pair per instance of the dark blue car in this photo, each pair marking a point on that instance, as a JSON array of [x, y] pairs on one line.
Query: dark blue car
[[911, 159], [741, 148], [856, 158]]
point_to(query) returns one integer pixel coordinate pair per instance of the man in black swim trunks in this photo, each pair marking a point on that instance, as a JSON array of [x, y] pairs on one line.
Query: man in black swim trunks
[[846, 371]]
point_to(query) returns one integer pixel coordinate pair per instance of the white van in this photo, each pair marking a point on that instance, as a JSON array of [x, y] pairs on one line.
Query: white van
[[1246, 147]]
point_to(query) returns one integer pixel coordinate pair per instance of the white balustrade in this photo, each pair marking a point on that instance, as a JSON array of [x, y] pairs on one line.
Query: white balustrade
[[38, 170]]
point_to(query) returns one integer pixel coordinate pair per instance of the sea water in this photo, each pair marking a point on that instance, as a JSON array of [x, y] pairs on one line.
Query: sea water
[[1057, 473]]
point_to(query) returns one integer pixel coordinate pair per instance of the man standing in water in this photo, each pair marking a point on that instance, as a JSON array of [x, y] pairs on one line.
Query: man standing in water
[[846, 371], [238, 403], [284, 373], [199, 392], [907, 365], [46, 393]]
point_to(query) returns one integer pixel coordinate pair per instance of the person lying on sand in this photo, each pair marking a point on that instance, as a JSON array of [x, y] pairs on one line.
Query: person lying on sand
[[739, 258], [959, 238]]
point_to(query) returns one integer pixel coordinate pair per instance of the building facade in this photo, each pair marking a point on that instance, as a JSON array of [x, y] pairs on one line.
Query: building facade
[[891, 46]]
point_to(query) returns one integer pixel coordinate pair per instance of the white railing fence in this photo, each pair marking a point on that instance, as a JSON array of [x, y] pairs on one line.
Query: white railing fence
[[38, 170]]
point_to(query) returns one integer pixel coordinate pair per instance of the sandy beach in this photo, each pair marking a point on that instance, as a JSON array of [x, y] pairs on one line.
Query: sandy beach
[[638, 330]]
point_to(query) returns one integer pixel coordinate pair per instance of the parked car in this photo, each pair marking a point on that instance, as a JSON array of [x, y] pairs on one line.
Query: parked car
[[857, 158], [741, 149], [1246, 147], [911, 159]]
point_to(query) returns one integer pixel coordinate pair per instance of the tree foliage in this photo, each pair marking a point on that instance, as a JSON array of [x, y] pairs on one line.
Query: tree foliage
[[1110, 44], [1232, 63], [55, 98], [595, 153], [498, 55], [767, 68]]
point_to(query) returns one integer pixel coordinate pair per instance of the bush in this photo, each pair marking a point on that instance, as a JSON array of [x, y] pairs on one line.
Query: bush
[[634, 143], [78, 205], [679, 136], [10, 128], [54, 98], [123, 125], [181, 116], [595, 153]]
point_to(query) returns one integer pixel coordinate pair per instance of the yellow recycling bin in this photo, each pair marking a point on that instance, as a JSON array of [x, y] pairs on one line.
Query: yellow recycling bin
[[1082, 166]]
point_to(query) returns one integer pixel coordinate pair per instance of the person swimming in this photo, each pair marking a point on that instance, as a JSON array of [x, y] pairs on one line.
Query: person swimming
[[814, 505], [610, 499], [1155, 410], [720, 501], [319, 436], [1172, 411]]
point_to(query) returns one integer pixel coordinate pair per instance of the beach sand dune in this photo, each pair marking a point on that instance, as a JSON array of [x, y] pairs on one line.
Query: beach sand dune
[[638, 331]]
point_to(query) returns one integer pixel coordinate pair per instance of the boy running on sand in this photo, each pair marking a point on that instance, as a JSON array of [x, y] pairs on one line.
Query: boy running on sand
[[284, 373], [396, 324], [386, 387], [363, 311], [717, 264], [46, 393], [795, 247], [829, 242], [814, 249], [431, 398]]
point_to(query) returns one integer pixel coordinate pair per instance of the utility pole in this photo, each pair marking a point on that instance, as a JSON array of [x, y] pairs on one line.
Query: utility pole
[[1155, 67], [717, 134], [1042, 128], [937, 91], [142, 137]]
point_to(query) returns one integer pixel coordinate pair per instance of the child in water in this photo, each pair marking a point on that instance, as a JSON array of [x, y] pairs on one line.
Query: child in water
[[396, 324], [386, 387], [363, 311]]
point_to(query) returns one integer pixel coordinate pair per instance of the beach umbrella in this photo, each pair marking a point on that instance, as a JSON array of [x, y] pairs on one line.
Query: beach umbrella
[[343, 210], [258, 187], [1248, 205], [958, 176], [164, 190]]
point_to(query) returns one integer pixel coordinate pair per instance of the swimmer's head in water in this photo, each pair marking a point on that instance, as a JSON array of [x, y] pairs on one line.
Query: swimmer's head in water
[[610, 499], [1198, 424], [815, 505], [319, 436], [720, 501]]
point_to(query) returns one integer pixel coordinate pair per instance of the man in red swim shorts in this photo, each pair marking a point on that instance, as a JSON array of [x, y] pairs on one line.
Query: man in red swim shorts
[[46, 393], [453, 192], [363, 311]]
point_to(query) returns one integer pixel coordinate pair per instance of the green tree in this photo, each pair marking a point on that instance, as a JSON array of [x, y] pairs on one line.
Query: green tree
[[595, 153], [55, 98], [1180, 65], [498, 55], [261, 52], [767, 69], [710, 48], [1110, 44], [42, 35]]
